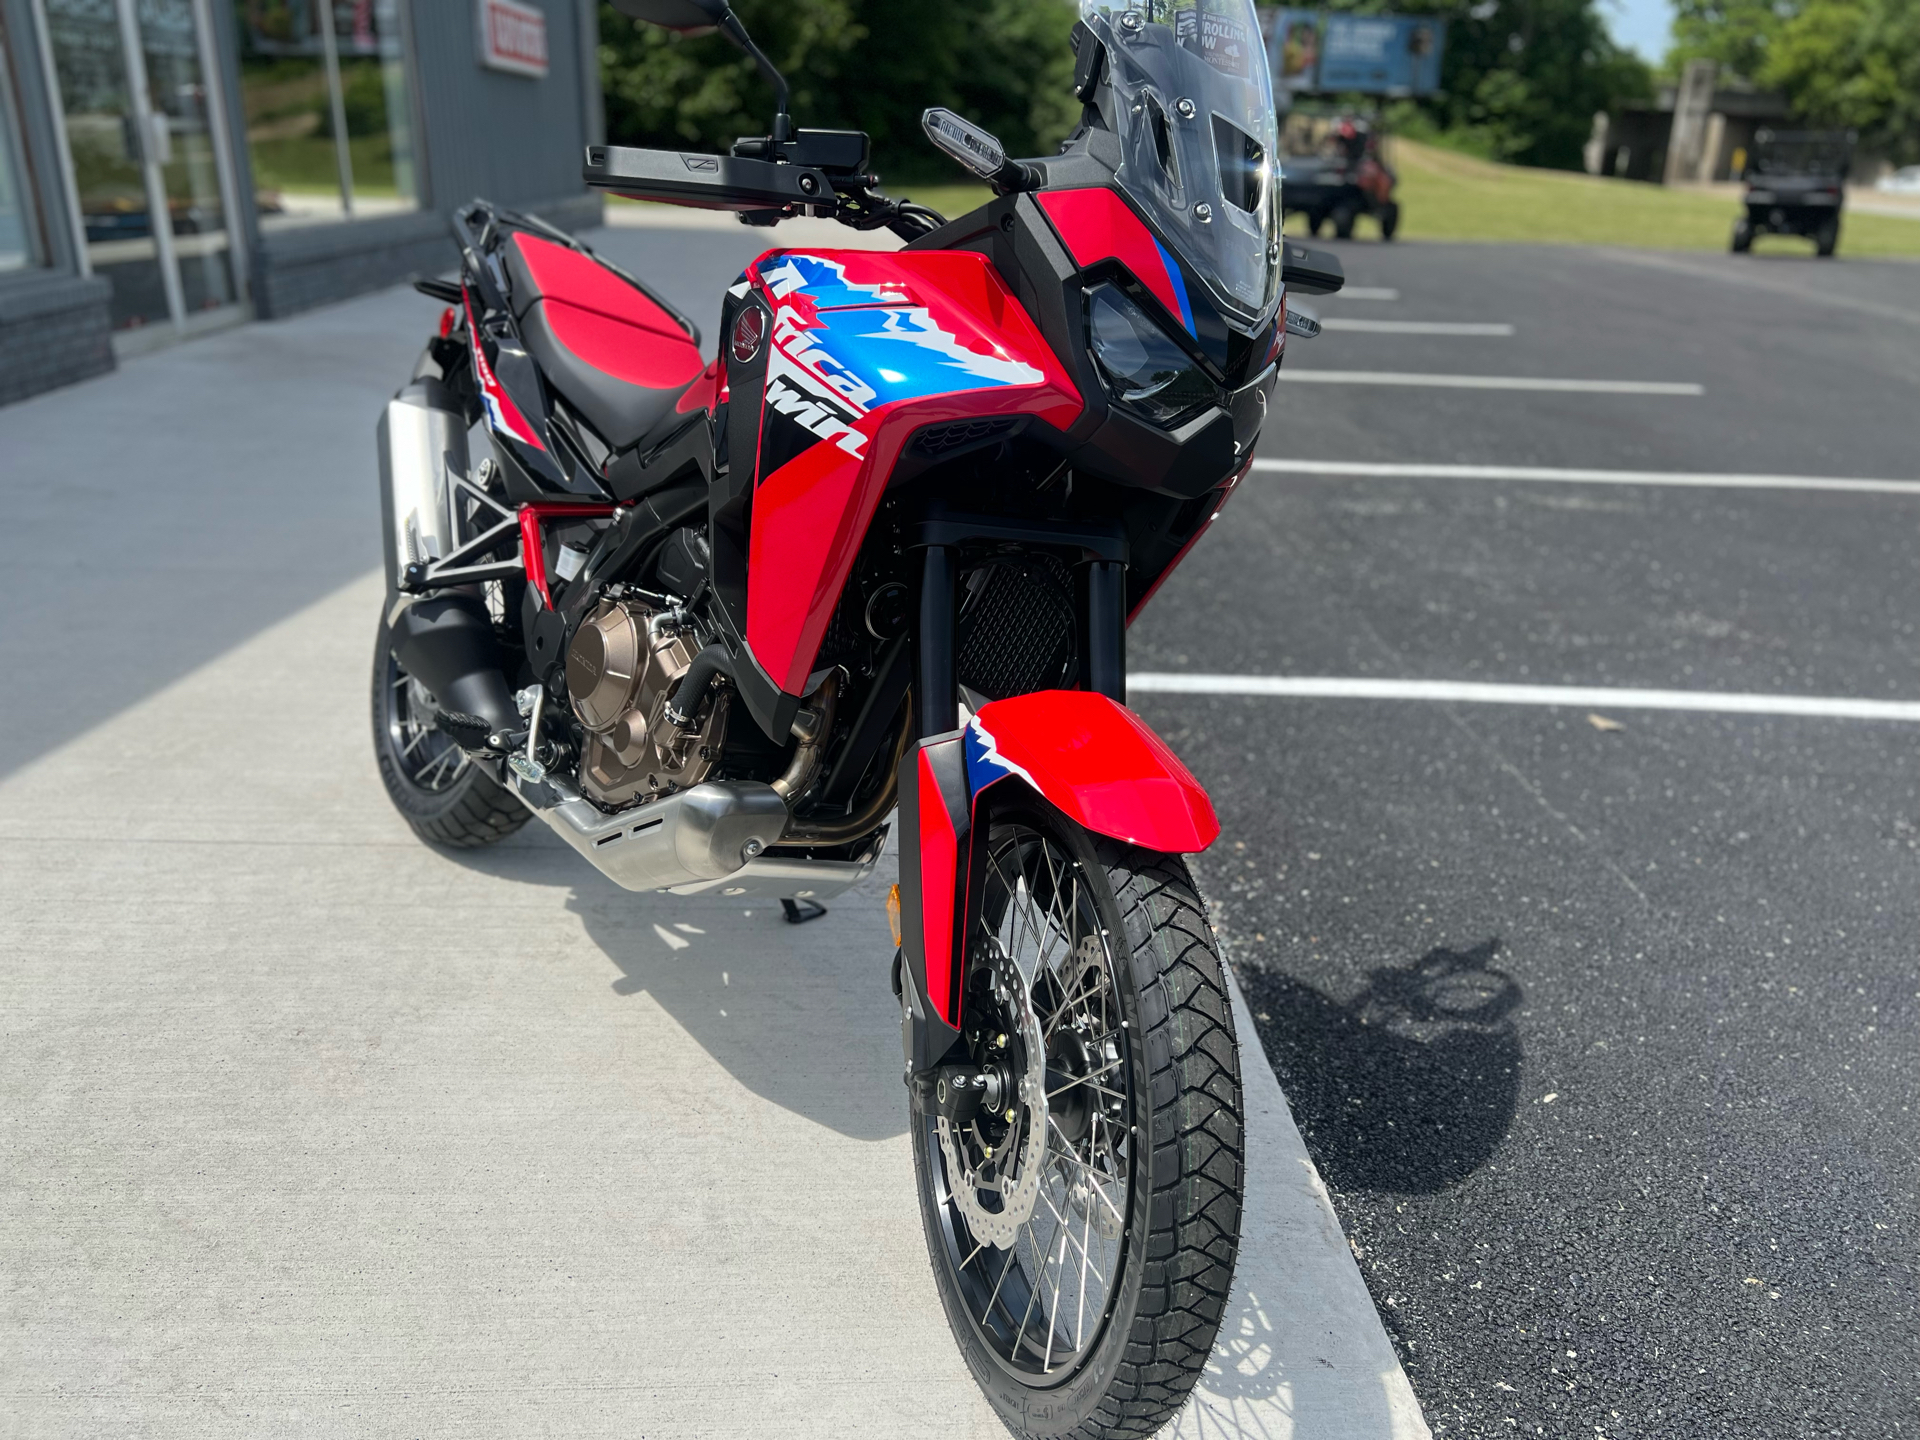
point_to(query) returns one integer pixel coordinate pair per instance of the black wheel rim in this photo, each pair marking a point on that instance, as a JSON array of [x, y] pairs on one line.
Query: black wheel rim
[[1042, 1303], [424, 757]]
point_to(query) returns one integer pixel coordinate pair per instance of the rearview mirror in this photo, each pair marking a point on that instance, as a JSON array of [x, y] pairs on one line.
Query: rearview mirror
[[681, 15]]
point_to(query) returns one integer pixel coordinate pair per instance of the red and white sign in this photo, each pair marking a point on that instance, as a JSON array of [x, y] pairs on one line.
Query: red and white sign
[[513, 37]]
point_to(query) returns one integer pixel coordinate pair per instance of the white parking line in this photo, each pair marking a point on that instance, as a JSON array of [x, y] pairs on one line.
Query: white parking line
[[1365, 292], [1554, 476], [1415, 327], [1491, 382], [1581, 697]]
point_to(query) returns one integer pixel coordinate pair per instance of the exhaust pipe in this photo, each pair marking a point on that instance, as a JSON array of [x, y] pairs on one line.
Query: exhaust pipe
[[445, 640], [422, 436]]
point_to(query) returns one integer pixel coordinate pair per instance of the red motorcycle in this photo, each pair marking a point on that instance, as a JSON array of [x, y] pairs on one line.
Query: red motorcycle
[[715, 620]]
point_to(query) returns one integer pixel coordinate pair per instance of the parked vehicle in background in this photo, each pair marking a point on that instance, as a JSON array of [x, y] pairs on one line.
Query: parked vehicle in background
[[1796, 185], [715, 621], [1333, 172], [1904, 181]]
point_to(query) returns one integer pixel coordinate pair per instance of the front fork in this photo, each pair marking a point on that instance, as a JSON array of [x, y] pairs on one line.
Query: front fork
[[943, 825]]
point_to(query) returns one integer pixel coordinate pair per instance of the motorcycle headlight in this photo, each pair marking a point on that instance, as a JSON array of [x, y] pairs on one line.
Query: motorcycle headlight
[[1141, 366]]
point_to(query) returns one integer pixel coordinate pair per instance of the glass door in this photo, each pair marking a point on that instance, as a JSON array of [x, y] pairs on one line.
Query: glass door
[[150, 173]]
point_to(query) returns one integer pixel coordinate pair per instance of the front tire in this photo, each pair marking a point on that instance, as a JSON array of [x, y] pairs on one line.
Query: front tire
[[1826, 239], [1343, 220], [1098, 1317], [441, 793], [1742, 236]]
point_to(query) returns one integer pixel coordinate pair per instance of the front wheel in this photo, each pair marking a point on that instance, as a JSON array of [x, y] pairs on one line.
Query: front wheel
[[1827, 238], [1742, 236], [1084, 1219], [1389, 220]]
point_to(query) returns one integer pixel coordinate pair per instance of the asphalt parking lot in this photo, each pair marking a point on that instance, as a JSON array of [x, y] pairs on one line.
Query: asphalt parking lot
[[1600, 1023]]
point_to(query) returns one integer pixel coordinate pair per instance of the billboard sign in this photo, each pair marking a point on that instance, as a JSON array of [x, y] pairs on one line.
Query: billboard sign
[[1382, 54], [1331, 52], [1293, 49]]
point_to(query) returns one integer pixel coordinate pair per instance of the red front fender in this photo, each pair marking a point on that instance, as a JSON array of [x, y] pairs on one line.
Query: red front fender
[[1096, 762], [1092, 759]]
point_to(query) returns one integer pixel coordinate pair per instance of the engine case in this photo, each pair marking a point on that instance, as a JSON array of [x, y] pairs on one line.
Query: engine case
[[622, 664]]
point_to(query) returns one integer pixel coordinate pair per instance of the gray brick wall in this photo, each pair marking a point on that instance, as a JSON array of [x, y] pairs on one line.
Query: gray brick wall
[[53, 332]]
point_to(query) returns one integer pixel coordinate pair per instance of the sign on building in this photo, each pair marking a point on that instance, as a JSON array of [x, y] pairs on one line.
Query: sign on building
[[513, 37]]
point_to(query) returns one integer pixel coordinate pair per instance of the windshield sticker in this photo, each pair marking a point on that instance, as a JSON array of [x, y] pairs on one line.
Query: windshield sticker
[[1221, 36]]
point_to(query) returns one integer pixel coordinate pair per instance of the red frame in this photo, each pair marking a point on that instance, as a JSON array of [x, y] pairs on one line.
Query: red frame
[[533, 550]]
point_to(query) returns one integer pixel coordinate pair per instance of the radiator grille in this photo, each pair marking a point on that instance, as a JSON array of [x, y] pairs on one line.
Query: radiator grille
[[1016, 626]]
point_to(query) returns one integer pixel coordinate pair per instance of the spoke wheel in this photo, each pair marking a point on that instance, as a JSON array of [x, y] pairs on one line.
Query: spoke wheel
[[1083, 1228], [432, 782]]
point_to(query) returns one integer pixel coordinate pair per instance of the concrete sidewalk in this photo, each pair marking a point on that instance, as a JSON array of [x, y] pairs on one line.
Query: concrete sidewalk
[[308, 1129]]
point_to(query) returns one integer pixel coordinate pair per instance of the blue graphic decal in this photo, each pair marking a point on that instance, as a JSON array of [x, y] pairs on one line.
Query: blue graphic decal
[[853, 347], [1179, 286], [985, 763]]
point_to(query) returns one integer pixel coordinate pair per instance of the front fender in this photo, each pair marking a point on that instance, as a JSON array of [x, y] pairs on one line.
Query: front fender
[[1096, 762], [1090, 758]]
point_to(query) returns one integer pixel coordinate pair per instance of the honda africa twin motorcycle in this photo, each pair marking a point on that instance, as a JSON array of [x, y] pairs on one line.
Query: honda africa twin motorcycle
[[715, 620]]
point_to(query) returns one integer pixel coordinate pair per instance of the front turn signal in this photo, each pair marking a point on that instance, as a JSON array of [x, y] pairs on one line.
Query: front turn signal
[[893, 914]]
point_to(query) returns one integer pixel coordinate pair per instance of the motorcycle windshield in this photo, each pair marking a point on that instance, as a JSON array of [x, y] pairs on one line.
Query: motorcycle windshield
[[1193, 108]]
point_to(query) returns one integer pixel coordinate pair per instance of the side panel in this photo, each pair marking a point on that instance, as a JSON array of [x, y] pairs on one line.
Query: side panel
[[866, 347], [1098, 225], [1095, 761], [936, 831]]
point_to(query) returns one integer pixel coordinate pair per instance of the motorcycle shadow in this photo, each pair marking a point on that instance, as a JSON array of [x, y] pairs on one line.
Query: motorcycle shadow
[[1412, 1084], [801, 1015]]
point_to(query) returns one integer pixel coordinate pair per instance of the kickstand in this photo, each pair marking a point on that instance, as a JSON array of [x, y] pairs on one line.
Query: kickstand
[[798, 912]]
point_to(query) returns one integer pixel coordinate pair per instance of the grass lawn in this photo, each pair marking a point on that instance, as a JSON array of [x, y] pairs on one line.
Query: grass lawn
[[1446, 196]]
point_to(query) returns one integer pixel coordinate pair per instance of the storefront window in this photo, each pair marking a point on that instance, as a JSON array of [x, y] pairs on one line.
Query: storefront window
[[16, 221], [329, 117], [138, 117]]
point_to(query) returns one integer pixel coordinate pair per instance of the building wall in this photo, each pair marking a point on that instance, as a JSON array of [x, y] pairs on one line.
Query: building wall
[[53, 321], [515, 140], [510, 139]]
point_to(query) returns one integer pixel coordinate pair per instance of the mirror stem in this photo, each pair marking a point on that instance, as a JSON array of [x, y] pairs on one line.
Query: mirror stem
[[782, 121]]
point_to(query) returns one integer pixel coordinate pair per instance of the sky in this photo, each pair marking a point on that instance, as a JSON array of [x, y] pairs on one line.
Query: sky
[[1639, 25]]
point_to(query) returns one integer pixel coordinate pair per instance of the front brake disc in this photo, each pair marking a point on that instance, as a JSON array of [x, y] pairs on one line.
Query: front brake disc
[[1016, 1170]]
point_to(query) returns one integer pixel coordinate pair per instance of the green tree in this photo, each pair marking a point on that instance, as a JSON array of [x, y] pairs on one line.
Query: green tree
[[1854, 64], [870, 65], [1521, 79], [1845, 64], [1735, 34]]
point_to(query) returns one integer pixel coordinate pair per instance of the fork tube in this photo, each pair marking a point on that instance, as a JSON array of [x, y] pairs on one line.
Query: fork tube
[[1107, 630], [934, 697]]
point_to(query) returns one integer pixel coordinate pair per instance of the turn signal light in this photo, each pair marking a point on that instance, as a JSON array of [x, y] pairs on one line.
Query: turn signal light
[[893, 914]]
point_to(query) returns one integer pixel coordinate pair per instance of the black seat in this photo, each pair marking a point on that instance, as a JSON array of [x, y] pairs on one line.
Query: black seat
[[616, 354]]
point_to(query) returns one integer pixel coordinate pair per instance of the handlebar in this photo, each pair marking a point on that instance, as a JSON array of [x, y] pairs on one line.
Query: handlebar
[[761, 191]]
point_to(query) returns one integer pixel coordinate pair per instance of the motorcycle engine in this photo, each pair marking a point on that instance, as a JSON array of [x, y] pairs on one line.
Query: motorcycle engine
[[622, 664]]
